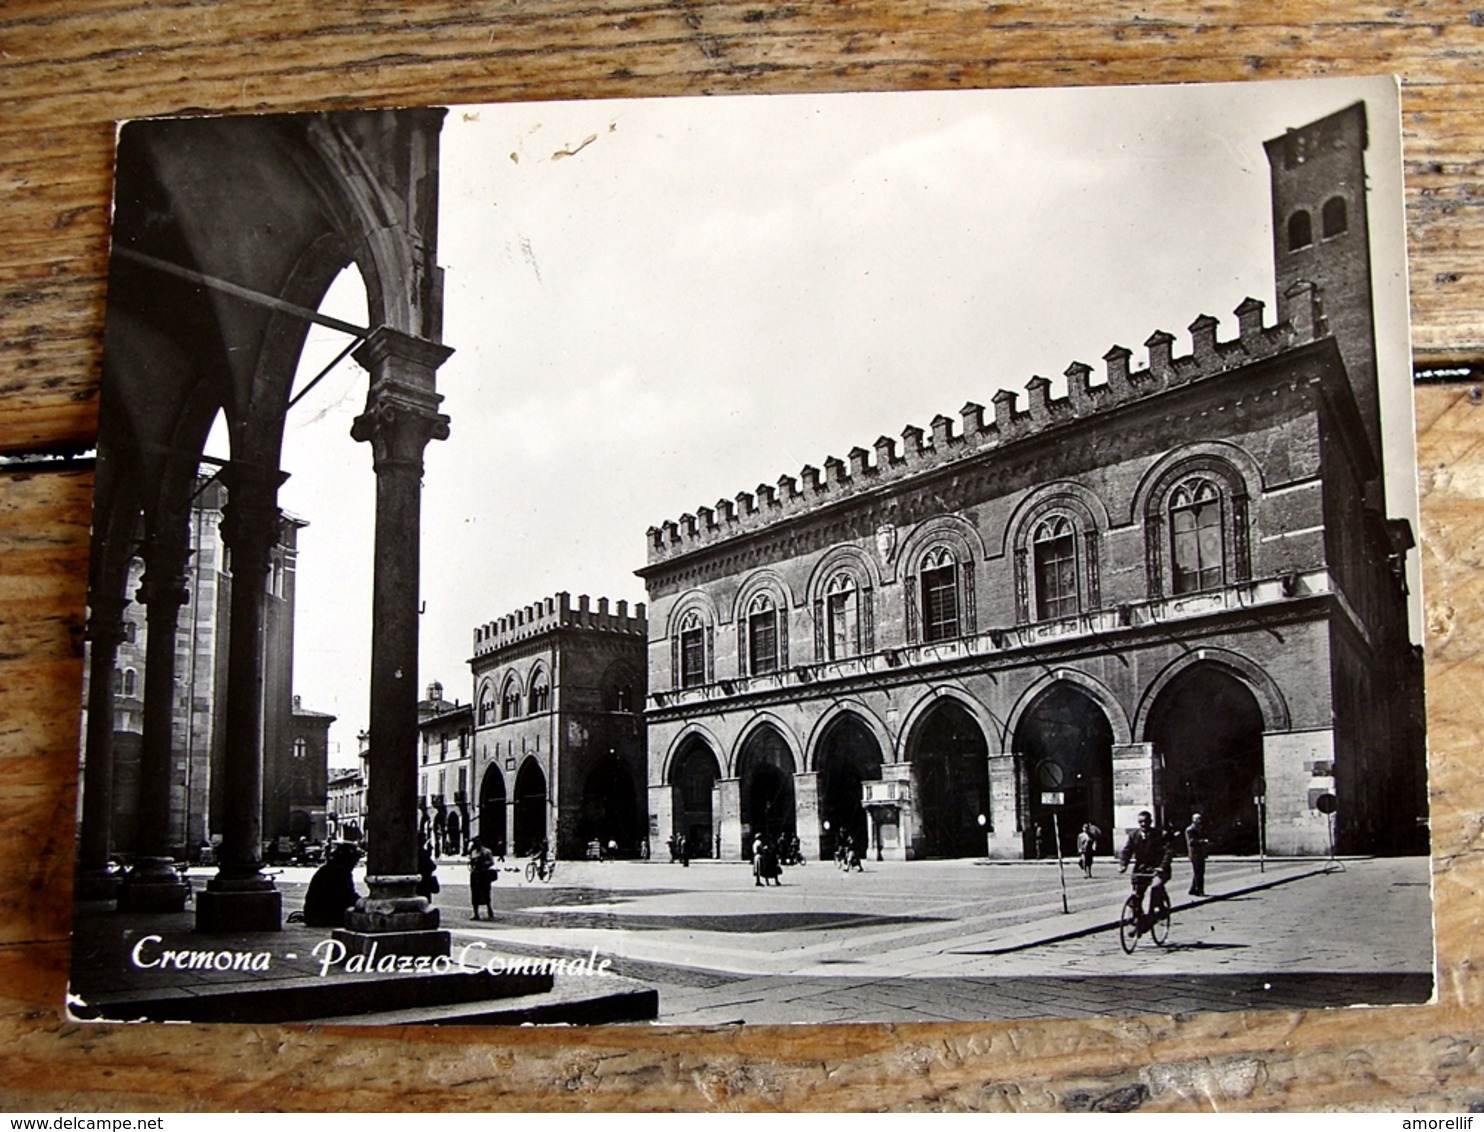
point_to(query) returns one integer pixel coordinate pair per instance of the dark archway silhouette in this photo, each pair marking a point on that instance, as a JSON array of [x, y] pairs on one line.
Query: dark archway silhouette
[[530, 809], [1206, 727], [849, 755], [1065, 745], [694, 776], [766, 769], [950, 764], [492, 833], [610, 812]]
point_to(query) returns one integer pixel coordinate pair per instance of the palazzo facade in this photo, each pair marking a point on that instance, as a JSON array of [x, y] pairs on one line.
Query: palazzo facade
[[1174, 588], [559, 750]]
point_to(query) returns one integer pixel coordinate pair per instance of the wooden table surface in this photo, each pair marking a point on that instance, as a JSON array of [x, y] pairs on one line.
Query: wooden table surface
[[69, 69]]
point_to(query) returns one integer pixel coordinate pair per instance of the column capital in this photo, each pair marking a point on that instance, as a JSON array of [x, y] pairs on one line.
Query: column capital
[[398, 428], [251, 516], [105, 626], [402, 404], [163, 586]]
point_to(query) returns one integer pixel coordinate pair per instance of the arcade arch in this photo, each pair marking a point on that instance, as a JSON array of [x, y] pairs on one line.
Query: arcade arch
[[766, 768], [610, 811], [1065, 743], [1206, 726], [530, 809], [847, 754], [492, 832], [694, 772], [950, 775]]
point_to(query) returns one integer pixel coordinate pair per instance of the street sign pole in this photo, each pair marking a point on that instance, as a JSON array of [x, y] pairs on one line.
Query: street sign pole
[[1061, 867]]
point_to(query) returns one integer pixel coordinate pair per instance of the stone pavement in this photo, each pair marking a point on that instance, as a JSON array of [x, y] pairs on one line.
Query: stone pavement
[[929, 940]]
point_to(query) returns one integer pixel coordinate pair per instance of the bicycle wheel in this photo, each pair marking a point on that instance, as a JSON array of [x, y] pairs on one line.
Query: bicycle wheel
[[1159, 923], [1128, 925], [530, 871], [550, 871]]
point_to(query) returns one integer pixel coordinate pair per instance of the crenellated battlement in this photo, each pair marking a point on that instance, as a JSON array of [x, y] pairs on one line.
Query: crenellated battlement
[[558, 612], [1008, 421]]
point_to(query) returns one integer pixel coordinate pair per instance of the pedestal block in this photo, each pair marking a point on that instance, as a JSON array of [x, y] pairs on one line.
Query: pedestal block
[[246, 904], [96, 884], [153, 885]]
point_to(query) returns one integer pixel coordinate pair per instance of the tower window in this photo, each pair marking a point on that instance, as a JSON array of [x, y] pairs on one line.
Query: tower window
[[1333, 217], [1055, 549], [842, 609], [939, 597], [762, 636], [1197, 549], [1300, 230], [692, 652]]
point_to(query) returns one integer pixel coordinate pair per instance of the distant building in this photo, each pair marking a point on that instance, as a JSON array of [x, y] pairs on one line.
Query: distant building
[[558, 735], [445, 769], [1173, 589], [295, 740], [345, 816]]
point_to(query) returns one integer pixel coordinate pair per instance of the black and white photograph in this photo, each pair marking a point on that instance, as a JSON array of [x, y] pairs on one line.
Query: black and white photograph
[[936, 556]]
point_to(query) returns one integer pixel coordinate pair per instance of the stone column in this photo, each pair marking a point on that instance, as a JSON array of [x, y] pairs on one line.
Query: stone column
[[153, 885], [1298, 768], [1006, 840], [806, 814], [105, 631], [240, 897], [727, 815], [1133, 788], [401, 417], [661, 820]]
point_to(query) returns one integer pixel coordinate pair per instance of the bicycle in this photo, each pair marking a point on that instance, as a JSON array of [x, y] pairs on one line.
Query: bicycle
[[1134, 922], [538, 867]]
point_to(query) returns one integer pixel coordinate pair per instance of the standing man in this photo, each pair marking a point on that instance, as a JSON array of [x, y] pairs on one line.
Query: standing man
[[1198, 845]]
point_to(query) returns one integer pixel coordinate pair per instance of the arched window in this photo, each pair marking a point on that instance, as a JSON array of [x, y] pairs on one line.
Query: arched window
[[1300, 230], [486, 705], [842, 617], [1333, 219], [510, 700], [301, 748], [691, 647], [762, 635], [1054, 549], [131, 682], [1197, 545], [540, 693], [939, 581]]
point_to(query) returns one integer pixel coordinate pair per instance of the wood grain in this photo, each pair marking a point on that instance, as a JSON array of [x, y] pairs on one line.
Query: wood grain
[[67, 71]]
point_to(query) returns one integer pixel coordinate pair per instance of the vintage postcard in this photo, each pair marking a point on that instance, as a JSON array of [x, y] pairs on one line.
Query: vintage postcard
[[868, 557]]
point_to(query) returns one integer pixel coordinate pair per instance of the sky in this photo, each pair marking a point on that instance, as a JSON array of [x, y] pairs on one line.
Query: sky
[[658, 304]]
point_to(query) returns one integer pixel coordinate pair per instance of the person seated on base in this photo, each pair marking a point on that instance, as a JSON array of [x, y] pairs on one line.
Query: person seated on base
[[332, 889]]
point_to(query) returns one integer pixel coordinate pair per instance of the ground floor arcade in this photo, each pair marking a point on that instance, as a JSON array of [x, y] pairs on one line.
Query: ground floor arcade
[[1013, 762]]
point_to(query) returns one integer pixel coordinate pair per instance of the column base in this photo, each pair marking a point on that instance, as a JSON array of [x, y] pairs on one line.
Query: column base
[[380, 915], [153, 885], [383, 947], [251, 905], [96, 884]]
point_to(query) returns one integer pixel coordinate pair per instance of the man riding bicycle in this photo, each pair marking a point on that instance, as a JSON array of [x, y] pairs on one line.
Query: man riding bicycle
[[1151, 853]]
